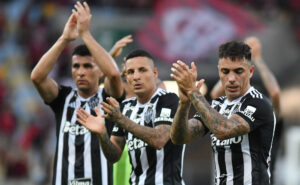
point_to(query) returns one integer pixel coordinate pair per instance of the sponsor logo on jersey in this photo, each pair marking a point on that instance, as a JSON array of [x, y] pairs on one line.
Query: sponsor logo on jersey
[[165, 112], [136, 143], [115, 129], [75, 129], [81, 181], [248, 112], [226, 142], [164, 115]]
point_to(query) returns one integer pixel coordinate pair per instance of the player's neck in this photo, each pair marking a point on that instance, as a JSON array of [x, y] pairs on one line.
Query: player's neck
[[144, 98], [87, 93]]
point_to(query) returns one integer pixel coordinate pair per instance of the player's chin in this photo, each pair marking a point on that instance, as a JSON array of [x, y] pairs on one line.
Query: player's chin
[[83, 87]]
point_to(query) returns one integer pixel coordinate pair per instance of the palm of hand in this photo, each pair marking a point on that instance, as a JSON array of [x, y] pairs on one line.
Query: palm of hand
[[95, 124]]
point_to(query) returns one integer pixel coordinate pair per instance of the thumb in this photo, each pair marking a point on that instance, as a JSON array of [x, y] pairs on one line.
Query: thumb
[[200, 83], [97, 111], [194, 69]]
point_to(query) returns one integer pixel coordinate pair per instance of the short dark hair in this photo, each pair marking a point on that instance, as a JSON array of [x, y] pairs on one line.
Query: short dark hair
[[138, 53], [235, 50], [81, 50]]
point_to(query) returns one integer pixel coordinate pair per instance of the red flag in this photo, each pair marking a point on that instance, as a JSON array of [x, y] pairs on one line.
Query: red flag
[[189, 29]]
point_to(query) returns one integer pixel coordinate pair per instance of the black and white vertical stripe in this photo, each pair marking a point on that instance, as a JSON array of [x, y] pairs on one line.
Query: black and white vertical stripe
[[78, 152], [244, 160], [151, 166]]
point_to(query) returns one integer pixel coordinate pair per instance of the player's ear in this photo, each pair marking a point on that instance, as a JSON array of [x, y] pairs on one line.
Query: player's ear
[[155, 71]]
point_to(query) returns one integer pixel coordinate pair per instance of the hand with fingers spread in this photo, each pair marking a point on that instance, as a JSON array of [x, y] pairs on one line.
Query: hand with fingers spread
[[112, 110], [116, 50], [83, 16], [70, 31], [93, 123]]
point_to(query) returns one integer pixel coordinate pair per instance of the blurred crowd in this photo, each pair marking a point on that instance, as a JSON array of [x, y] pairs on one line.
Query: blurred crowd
[[27, 30]]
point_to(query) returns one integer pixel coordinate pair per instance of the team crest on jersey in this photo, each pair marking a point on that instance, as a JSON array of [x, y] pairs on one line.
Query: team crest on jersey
[[148, 115], [248, 112], [93, 102]]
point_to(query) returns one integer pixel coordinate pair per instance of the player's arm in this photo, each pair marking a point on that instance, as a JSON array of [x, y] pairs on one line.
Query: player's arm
[[112, 147], [160, 84], [266, 74], [218, 124], [47, 87], [117, 49], [217, 90], [157, 137], [184, 130], [113, 82]]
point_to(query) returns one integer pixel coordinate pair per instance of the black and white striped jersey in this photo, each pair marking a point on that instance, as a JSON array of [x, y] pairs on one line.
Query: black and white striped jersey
[[78, 156], [151, 166], [245, 160]]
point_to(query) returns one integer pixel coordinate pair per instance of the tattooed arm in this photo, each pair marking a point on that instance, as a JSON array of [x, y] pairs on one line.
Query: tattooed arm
[[219, 125], [156, 137], [184, 130], [112, 147]]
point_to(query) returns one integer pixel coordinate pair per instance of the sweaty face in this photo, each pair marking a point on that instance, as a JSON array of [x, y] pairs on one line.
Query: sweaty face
[[85, 73], [141, 76], [235, 77]]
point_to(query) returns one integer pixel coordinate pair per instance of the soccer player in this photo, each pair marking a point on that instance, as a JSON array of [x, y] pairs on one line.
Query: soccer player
[[79, 158], [144, 123], [116, 51], [273, 89], [241, 124]]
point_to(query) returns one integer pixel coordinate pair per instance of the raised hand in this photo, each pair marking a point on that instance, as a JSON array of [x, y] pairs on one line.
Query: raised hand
[[255, 46], [93, 123], [83, 15], [112, 110], [185, 77], [116, 50], [70, 31]]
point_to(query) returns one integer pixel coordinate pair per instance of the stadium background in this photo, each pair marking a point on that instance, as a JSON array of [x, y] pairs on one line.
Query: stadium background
[[190, 30]]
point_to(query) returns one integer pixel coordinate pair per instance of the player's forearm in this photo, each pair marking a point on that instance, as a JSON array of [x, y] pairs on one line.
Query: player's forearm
[[270, 83], [214, 121], [111, 152], [217, 90], [179, 130], [48, 60], [102, 58], [157, 138], [268, 77], [107, 64]]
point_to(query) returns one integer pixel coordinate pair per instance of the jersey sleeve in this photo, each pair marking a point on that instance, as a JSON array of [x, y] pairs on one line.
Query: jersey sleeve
[[57, 104], [166, 109], [117, 131], [256, 112]]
